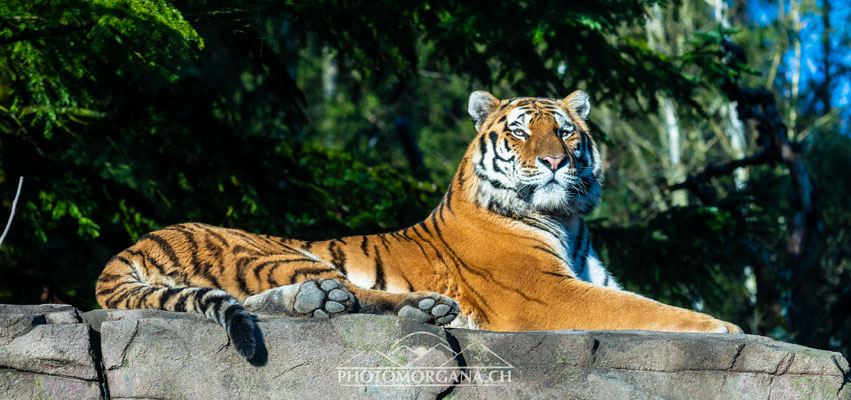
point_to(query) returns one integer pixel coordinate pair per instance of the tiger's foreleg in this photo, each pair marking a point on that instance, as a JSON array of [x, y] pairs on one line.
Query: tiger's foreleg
[[427, 307], [327, 297], [581, 305], [314, 297]]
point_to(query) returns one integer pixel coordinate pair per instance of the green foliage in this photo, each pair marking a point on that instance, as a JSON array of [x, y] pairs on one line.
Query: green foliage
[[51, 80]]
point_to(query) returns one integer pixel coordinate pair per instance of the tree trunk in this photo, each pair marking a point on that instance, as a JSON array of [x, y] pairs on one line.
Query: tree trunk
[[826, 49], [795, 16], [670, 130]]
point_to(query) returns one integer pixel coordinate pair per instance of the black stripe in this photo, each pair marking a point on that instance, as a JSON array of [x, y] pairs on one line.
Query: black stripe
[[494, 183], [363, 244], [587, 250], [199, 294], [410, 239], [241, 266], [249, 238], [496, 158], [380, 284], [242, 249], [212, 301], [212, 247], [436, 227], [460, 176], [209, 275], [141, 294], [274, 282], [548, 251], [167, 294], [190, 237], [307, 271], [105, 292], [338, 257], [165, 247], [159, 267], [220, 238], [433, 247], [180, 303], [259, 267], [120, 291], [104, 277], [584, 256], [423, 225], [483, 149], [179, 228], [580, 236], [384, 241]]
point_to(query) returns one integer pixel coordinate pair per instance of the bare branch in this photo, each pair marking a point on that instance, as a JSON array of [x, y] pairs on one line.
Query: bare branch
[[12, 215], [712, 171]]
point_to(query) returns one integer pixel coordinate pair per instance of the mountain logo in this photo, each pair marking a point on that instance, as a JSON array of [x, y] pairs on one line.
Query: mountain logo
[[425, 359]]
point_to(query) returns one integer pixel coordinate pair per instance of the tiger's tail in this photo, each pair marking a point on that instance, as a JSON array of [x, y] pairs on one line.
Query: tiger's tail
[[121, 285]]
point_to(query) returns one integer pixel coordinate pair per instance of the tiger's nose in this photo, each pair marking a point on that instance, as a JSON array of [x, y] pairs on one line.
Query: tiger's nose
[[553, 162]]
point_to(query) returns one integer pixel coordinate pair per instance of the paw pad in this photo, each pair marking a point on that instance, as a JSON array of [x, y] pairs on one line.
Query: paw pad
[[323, 298], [430, 308]]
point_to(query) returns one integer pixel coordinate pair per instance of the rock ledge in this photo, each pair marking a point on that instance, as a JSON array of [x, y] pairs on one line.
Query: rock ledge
[[53, 351]]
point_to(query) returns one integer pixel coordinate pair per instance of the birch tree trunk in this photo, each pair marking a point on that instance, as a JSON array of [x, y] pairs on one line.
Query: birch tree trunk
[[733, 127], [795, 16], [670, 130]]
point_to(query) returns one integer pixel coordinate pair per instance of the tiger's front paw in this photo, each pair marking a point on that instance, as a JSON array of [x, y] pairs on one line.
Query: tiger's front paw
[[732, 328], [708, 324], [431, 308]]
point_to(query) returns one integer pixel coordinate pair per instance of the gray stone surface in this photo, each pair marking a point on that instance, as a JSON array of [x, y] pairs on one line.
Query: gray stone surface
[[191, 358], [164, 355], [653, 365], [45, 352], [27, 385]]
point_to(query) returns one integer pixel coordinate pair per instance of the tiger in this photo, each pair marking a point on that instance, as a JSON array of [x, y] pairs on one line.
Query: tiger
[[506, 249]]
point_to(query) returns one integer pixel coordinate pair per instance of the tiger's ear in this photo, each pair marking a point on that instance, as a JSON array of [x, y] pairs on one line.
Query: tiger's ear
[[578, 103], [480, 105]]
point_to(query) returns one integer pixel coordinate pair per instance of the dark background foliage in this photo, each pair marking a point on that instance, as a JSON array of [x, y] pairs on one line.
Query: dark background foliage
[[321, 119]]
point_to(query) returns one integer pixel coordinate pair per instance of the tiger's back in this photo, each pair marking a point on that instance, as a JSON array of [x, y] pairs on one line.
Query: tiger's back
[[245, 264]]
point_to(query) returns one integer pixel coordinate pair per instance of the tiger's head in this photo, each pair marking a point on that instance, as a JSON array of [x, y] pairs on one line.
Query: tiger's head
[[534, 155]]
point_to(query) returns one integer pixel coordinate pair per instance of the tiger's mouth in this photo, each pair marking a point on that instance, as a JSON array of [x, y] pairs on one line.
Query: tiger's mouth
[[558, 192], [550, 196]]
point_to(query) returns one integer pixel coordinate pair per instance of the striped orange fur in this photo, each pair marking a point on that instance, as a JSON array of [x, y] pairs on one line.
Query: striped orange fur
[[505, 250]]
